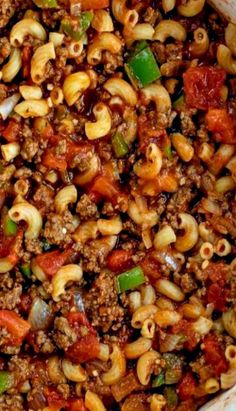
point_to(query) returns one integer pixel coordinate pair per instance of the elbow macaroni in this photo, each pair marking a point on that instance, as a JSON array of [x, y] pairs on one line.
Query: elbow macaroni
[[28, 213], [74, 85], [69, 272], [102, 126], [39, 62]]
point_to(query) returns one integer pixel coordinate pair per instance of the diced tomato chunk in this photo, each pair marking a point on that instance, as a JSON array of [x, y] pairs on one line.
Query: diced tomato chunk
[[54, 399], [76, 405], [185, 327], [74, 149], [11, 132], [119, 260], [151, 266], [217, 272], [186, 387], [94, 4], [51, 261], [218, 296], [222, 125], [214, 354], [53, 161], [15, 325], [86, 347], [104, 187], [202, 87]]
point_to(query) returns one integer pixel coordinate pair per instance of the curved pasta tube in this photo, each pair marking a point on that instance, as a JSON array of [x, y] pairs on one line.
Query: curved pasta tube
[[32, 108], [39, 61], [69, 272], [189, 239], [225, 59], [122, 14], [28, 213], [131, 119], [200, 44], [26, 27], [118, 367], [74, 85], [170, 290], [137, 348], [158, 402], [64, 197], [93, 402], [145, 218], [168, 5], [109, 227], [164, 237], [102, 126], [160, 96], [169, 28], [86, 231], [166, 318], [31, 92], [88, 175], [150, 169], [230, 355], [228, 379], [54, 370], [191, 8], [119, 87], [142, 31], [13, 66], [143, 313], [73, 372], [102, 21], [230, 35], [229, 322], [145, 366], [37, 271], [104, 41], [10, 151]]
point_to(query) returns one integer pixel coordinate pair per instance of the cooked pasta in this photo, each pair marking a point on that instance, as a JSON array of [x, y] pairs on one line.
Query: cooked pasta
[[117, 204]]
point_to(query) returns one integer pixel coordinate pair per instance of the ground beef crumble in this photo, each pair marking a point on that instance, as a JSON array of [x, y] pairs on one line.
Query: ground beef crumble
[[102, 303], [63, 335], [86, 208]]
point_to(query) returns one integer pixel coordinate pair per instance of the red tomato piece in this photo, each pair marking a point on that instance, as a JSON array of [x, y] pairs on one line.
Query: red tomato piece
[[94, 4], [74, 149], [186, 387], [54, 162], [11, 132], [54, 399], [106, 188], [51, 261], [86, 347], [119, 260], [151, 266], [214, 354], [15, 325], [217, 272], [218, 296], [222, 125], [76, 405], [184, 327], [202, 87], [5, 245]]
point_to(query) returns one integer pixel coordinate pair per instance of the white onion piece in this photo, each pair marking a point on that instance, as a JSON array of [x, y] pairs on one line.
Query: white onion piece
[[40, 315], [225, 7], [8, 105], [170, 342]]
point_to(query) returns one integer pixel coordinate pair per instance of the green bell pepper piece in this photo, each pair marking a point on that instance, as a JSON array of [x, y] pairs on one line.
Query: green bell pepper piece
[[25, 270], [159, 380], [76, 28], [119, 145], [142, 68], [47, 4], [5, 381], [9, 226], [130, 279], [171, 396]]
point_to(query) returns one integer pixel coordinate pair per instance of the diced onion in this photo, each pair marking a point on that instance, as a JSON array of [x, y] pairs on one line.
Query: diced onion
[[8, 105], [40, 315]]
